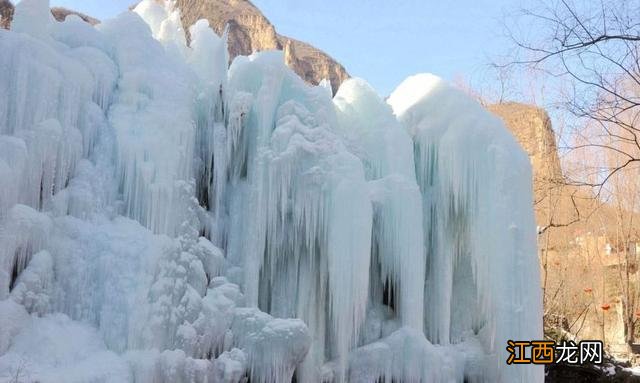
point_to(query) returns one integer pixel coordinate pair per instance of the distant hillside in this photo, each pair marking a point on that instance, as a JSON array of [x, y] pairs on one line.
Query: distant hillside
[[250, 31]]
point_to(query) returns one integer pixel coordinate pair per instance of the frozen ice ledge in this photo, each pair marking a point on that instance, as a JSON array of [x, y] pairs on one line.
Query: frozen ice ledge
[[167, 218]]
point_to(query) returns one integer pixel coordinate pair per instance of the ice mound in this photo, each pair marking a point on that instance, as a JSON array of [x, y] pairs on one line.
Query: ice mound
[[167, 218]]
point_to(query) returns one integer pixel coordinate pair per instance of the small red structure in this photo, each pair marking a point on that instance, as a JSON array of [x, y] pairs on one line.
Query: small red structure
[[605, 306]]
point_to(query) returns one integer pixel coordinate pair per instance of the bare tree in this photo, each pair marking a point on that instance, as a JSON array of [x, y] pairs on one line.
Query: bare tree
[[594, 45], [594, 48], [625, 189]]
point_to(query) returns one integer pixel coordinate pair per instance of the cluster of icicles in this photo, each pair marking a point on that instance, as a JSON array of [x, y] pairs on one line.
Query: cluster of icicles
[[167, 218]]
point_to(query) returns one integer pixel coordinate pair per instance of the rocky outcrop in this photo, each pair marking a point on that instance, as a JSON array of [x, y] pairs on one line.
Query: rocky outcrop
[[555, 202], [532, 128], [61, 13], [6, 13], [7, 9], [250, 31]]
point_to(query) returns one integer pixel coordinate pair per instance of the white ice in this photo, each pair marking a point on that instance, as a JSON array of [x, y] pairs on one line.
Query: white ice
[[167, 218]]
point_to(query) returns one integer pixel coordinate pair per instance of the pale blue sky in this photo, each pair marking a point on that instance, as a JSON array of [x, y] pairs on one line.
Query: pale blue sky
[[382, 41]]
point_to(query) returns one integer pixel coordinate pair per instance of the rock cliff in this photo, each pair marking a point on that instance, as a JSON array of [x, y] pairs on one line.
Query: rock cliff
[[532, 128], [250, 31]]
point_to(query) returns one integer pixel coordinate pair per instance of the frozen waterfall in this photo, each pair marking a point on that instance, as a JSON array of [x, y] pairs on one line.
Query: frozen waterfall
[[166, 217]]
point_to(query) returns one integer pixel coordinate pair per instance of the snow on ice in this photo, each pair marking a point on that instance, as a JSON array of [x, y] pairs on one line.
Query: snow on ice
[[165, 217]]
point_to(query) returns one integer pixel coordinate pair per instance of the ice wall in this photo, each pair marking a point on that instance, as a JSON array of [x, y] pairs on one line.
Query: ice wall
[[186, 221]]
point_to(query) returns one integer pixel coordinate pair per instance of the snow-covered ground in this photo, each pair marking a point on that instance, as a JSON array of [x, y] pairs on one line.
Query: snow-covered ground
[[165, 218], [635, 371]]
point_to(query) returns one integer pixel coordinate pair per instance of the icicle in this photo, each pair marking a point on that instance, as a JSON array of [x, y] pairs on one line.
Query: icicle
[[23, 233], [207, 224], [274, 347], [230, 366], [32, 17], [14, 162], [208, 58], [13, 318], [348, 227], [471, 207], [372, 130], [156, 141], [33, 286]]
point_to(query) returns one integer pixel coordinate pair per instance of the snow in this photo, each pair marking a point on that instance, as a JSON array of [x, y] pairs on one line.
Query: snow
[[481, 241], [633, 370], [167, 218], [230, 366], [32, 18], [13, 317], [54, 348]]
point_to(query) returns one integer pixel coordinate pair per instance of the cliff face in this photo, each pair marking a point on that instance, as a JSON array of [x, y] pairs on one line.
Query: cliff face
[[532, 128], [6, 13], [61, 13], [250, 31], [554, 201]]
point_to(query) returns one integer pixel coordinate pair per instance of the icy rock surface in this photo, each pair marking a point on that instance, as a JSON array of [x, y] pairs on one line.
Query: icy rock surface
[[167, 218]]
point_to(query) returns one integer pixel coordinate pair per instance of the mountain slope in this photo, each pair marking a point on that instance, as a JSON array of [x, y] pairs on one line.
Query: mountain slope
[[250, 31]]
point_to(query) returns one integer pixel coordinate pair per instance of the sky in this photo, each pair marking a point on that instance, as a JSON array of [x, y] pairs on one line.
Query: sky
[[382, 41]]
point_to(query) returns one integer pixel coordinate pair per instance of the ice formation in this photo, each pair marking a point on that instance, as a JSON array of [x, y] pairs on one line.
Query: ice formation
[[167, 218]]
